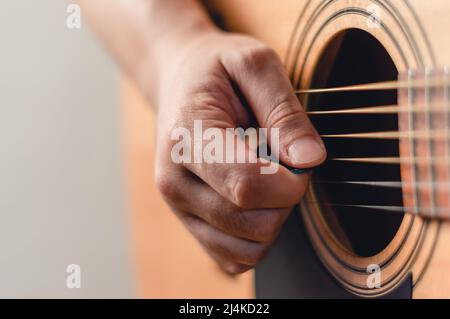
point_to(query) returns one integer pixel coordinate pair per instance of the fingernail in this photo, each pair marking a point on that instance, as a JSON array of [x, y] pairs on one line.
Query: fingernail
[[305, 151]]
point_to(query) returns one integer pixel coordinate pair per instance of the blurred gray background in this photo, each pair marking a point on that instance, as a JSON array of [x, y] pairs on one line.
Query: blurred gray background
[[61, 192]]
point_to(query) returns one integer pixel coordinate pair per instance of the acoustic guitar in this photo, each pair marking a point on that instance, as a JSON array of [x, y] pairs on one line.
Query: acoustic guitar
[[372, 75]]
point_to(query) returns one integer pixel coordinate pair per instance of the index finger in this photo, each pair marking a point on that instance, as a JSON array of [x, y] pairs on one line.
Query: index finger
[[244, 185]]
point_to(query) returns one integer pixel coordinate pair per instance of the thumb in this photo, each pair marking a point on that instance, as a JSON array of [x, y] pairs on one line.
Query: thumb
[[263, 82], [299, 145]]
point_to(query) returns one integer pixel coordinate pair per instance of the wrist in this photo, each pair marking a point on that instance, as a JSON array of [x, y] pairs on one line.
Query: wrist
[[170, 46]]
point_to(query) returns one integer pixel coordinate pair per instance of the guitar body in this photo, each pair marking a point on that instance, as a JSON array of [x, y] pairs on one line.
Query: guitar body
[[338, 249]]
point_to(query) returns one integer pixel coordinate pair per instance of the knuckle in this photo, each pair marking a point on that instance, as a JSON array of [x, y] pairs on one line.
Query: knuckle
[[258, 56], [291, 121], [208, 85], [241, 188], [284, 112], [166, 186]]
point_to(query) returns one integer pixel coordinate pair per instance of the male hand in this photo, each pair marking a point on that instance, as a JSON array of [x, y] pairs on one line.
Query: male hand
[[230, 81]]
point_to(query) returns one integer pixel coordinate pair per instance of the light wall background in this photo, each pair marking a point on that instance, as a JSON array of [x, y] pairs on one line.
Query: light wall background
[[61, 176], [76, 174]]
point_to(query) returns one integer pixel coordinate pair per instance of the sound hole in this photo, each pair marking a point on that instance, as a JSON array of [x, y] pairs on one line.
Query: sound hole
[[356, 57]]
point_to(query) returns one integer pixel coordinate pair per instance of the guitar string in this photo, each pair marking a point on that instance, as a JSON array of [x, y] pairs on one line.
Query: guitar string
[[385, 109], [377, 86], [379, 109], [440, 160], [390, 208], [386, 184], [436, 134]]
